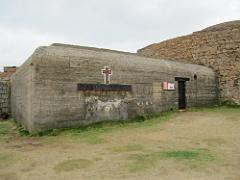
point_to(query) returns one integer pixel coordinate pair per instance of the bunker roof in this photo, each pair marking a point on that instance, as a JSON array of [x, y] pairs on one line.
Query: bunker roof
[[62, 51]]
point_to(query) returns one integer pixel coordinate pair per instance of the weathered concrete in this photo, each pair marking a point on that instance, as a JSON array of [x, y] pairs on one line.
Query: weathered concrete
[[45, 94], [217, 47]]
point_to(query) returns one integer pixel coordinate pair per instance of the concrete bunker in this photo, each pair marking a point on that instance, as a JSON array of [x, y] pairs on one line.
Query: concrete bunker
[[62, 85]]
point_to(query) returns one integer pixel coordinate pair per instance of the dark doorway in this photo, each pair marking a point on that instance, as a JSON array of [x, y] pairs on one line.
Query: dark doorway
[[182, 91], [181, 95]]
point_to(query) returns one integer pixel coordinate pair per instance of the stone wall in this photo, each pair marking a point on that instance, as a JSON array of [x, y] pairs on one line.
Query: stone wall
[[217, 47], [45, 91], [7, 72], [179, 48], [4, 99]]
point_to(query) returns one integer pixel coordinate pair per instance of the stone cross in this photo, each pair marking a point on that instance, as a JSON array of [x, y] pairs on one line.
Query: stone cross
[[107, 72]]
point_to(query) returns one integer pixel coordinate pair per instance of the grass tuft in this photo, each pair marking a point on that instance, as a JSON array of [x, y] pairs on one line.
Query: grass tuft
[[21, 131]]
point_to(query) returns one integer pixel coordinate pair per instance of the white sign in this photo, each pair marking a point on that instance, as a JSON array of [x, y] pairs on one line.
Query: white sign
[[171, 86]]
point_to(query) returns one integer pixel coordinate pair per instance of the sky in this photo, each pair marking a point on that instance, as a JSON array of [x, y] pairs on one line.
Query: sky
[[125, 25]]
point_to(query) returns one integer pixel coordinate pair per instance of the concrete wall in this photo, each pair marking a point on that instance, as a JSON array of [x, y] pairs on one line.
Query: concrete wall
[[21, 94], [217, 47], [4, 98], [53, 99]]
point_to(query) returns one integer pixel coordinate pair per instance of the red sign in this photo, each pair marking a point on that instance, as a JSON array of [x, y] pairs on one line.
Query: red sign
[[165, 85]]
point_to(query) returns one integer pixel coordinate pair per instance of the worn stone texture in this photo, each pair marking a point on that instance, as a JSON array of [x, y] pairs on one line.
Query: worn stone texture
[[45, 93], [217, 47], [7, 73], [5, 108], [4, 97]]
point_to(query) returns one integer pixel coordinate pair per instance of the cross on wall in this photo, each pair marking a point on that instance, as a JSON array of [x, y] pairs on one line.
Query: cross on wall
[[107, 72]]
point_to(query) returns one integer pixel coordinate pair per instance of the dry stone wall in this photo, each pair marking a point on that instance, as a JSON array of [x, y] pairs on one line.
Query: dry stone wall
[[217, 47], [179, 48], [4, 99]]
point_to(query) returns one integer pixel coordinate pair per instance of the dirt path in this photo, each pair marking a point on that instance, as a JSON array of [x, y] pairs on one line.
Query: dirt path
[[198, 145]]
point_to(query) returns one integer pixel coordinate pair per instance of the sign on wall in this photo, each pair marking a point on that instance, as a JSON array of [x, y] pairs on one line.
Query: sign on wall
[[171, 86], [165, 85], [168, 85]]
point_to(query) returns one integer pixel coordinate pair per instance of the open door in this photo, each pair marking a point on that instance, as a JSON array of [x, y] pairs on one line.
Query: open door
[[182, 92]]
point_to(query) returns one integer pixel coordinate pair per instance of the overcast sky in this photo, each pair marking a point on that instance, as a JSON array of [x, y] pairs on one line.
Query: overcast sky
[[115, 24]]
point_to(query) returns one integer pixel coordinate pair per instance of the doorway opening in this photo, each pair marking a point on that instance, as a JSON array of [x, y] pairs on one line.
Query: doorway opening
[[182, 104]]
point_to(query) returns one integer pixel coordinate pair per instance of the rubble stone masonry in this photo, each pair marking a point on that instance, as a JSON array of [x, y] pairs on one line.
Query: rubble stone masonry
[[4, 98], [5, 90], [8, 72], [217, 47]]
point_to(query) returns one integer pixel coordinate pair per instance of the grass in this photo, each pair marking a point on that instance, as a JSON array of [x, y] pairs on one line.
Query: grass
[[140, 162], [5, 127], [195, 155], [73, 164], [95, 133], [110, 125], [216, 108], [6, 160], [214, 141], [140, 145], [127, 148], [229, 112]]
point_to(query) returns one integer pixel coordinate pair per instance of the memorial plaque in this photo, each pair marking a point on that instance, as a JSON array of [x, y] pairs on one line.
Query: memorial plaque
[[104, 87]]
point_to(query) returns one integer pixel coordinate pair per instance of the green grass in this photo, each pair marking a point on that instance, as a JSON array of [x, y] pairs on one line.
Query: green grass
[[5, 127], [73, 164], [141, 162], [195, 155]]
